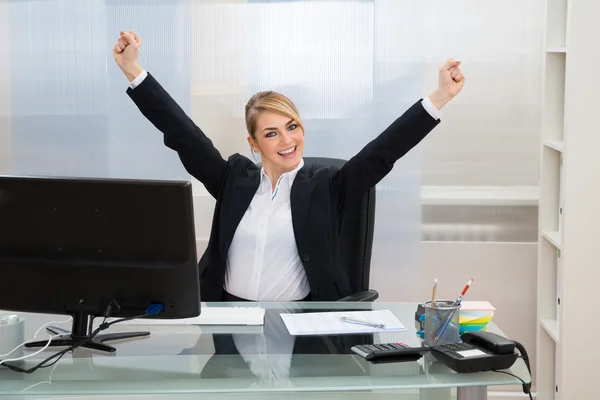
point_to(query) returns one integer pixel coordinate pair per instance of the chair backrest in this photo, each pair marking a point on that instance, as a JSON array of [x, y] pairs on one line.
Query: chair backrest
[[356, 229]]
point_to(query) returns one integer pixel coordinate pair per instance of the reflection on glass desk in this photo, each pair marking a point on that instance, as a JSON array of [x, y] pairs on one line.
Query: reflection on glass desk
[[247, 360]]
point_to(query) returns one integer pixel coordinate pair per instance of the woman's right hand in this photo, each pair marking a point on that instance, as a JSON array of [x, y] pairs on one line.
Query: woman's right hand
[[126, 53]]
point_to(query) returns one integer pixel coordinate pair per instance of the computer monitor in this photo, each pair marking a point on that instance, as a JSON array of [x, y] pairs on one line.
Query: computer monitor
[[75, 245]]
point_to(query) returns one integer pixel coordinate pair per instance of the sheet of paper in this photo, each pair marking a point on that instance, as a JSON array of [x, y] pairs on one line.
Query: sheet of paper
[[330, 323], [211, 316]]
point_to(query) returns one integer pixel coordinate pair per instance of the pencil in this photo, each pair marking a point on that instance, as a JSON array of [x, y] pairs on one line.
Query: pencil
[[433, 294]]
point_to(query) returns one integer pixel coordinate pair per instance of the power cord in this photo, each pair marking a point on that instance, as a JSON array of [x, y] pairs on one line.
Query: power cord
[[34, 337], [525, 357], [153, 309], [515, 376]]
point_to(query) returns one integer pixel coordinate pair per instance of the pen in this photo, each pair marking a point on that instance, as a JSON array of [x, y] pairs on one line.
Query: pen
[[464, 291], [440, 331], [360, 322], [458, 301], [433, 294]]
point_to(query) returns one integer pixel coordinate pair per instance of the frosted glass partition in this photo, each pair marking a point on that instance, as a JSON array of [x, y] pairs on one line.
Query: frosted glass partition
[[352, 67], [70, 113]]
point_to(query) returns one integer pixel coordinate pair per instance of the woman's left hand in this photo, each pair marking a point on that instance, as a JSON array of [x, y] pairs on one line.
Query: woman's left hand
[[451, 82], [451, 79]]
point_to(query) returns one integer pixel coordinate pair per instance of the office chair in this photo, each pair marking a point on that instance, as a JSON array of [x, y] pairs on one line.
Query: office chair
[[356, 235]]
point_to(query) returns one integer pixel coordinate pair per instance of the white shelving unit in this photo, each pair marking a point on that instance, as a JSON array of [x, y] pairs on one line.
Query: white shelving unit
[[569, 205]]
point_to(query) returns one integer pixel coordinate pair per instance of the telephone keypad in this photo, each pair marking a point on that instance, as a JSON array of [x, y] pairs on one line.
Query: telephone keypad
[[455, 348]]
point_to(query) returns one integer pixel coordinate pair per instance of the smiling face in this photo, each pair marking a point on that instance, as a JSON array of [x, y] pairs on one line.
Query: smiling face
[[280, 141], [275, 130]]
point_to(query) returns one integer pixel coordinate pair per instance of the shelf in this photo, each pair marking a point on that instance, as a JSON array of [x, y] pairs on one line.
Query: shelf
[[480, 195], [553, 237], [559, 286], [557, 145], [556, 50], [551, 326], [554, 96], [556, 23]]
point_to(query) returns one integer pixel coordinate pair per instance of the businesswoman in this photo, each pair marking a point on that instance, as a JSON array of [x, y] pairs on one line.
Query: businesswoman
[[274, 230]]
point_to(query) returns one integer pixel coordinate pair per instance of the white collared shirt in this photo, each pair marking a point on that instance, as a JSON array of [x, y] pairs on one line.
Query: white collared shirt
[[263, 262]]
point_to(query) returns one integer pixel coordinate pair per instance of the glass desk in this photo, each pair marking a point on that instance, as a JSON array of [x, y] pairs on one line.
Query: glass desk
[[251, 362]]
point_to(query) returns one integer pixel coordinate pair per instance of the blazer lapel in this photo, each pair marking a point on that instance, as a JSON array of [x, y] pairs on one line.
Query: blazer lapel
[[302, 189], [243, 191]]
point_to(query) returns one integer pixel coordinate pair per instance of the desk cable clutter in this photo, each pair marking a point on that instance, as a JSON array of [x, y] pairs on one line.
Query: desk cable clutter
[[12, 338], [152, 309]]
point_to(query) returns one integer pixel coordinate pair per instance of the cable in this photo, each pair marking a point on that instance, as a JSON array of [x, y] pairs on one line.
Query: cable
[[513, 375], [153, 309], [61, 353], [526, 386], [47, 381], [34, 337]]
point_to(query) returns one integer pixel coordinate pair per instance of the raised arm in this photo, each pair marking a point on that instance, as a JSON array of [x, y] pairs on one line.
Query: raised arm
[[377, 158], [196, 151]]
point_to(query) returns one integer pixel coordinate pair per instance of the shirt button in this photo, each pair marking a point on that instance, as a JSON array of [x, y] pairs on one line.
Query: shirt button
[[306, 258]]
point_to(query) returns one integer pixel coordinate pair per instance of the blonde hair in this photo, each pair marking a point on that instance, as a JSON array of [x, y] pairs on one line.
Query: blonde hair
[[269, 101]]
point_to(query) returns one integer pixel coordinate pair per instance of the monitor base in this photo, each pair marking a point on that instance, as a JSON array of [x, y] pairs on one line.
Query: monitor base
[[97, 343]]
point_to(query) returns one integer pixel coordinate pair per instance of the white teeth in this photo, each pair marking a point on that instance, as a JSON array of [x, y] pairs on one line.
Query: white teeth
[[287, 151]]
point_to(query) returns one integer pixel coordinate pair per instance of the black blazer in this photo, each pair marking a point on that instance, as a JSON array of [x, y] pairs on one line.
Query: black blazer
[[317, 200]]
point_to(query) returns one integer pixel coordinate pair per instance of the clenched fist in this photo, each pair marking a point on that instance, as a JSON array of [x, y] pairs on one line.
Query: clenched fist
[[451, 82], [126, 53], [451, 77]]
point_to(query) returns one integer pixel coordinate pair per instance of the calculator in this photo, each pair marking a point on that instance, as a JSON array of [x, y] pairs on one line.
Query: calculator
[[389, 352]]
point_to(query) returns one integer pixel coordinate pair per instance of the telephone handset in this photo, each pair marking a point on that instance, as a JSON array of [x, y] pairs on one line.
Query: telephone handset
[[491, 341], [479, 351]]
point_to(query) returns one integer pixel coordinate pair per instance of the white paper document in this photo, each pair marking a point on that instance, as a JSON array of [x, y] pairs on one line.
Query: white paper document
[[331, 323], [211, 316]]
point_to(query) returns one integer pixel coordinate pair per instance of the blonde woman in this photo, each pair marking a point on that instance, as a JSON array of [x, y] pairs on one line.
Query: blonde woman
[[274, 232]]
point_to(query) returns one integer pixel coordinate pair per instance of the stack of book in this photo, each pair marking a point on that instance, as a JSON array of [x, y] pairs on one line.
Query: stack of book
[[475, 315]]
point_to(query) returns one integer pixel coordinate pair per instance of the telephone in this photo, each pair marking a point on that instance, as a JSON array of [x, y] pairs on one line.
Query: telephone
[[479, 351]]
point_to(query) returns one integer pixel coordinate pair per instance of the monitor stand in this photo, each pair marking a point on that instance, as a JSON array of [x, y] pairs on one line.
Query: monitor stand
[[79, 332]]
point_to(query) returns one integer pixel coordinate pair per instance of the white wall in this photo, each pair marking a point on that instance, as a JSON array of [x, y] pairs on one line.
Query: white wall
[[577, 358]]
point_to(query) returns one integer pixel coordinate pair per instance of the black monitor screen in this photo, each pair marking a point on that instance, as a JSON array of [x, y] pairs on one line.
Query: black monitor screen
[[72, 245], [87, 222]]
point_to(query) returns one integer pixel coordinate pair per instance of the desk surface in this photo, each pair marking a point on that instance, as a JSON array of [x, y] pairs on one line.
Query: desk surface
[[193, 359]]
